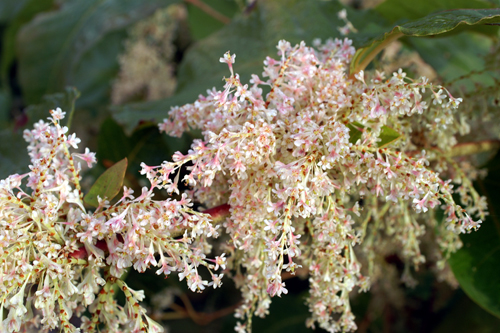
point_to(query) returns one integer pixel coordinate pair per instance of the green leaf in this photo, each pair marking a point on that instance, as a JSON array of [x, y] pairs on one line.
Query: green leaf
[[22, 15], [201, 24], [64, 100], [5, 102], [395, 10], [355, 133], [10, 8], [465, 316], [455, 56], [112, 145], [13, 154], [433, 24], [387, 136], [108, 185], [251, 37], [477, 264], [286, 314], [70, 46]]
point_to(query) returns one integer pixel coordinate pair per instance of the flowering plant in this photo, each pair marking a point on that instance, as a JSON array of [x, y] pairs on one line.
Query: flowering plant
[[56, 254], [293, 167], [317, 168]]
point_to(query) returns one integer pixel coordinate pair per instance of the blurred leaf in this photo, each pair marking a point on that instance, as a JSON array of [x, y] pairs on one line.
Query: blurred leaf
[[455, 56], [286, 314], [201, 24], [432, 24], [108, 185], [10, 8], [20, 16], [477, 264], [354, 133], [5, 100], [388, 136], [55, 48], [465, 316], [13, 154], [64, 100], [251, 37], [396, 10], [94, 74], [113, 144]]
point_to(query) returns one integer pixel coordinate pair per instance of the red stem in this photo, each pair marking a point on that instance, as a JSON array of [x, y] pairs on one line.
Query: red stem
[[217, 213]]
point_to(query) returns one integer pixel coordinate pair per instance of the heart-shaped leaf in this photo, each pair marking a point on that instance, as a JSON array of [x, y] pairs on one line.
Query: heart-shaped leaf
[[108, 185]]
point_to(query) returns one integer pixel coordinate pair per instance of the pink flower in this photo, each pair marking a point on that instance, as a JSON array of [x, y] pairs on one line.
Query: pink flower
[[87, 157], [421, 205]]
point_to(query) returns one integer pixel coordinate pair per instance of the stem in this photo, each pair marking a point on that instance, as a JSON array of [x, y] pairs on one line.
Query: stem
[[218, 214], [469, 148], [200, 318], [466, 148], [369, 53], [209, 10], [71, 111]]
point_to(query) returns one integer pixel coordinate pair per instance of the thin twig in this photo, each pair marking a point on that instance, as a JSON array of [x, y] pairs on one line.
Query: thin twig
[[466, 148], [210, 11], [200, 318]]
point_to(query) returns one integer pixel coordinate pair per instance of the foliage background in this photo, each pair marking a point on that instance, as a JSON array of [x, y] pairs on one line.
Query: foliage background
[[119, 65]]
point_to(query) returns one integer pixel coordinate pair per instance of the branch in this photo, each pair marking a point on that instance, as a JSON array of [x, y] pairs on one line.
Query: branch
[[218, 214], [465, 148], [200, 318], [469, 148], [209, 10]]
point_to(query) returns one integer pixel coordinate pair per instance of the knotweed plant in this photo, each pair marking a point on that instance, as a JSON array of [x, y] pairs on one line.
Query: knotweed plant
[[317, 170], [61, 261]]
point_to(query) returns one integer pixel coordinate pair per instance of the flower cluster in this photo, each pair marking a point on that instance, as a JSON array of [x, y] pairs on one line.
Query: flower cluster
[[59, 260], [323, 171]]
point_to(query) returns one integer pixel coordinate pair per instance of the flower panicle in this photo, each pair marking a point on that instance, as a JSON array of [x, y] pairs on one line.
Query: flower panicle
[[60, 259], [312, 178]]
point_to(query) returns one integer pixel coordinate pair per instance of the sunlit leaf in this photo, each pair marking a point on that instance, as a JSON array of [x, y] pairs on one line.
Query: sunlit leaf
[[455, 56], [397, 10], [387, 136], [355, 133], [433, 24], [108, 185]]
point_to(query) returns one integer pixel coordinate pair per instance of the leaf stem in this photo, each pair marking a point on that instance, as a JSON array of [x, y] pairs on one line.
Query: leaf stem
[[209, 10]]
